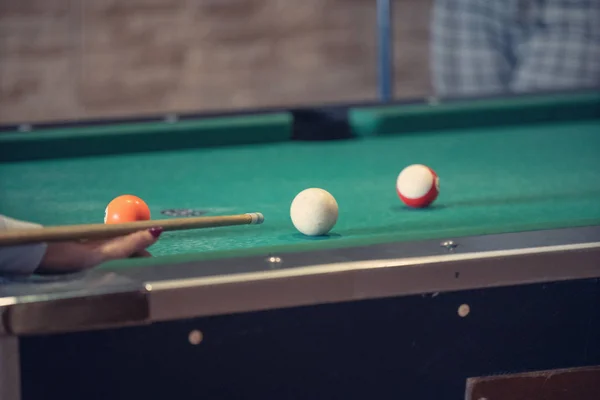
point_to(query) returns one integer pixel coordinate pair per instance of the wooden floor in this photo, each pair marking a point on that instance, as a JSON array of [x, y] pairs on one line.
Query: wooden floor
[[562, 384]]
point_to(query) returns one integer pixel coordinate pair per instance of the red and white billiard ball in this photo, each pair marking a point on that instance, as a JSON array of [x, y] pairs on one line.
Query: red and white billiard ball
[[126, 208], [418, 186]]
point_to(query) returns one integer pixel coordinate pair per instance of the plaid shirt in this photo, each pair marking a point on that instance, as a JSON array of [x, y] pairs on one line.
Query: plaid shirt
[[482, 47]]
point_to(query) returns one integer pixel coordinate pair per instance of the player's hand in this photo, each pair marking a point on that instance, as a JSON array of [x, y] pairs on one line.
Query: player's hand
[[65, 257]]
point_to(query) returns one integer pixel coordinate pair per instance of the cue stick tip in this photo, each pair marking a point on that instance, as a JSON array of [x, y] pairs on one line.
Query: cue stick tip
[[257, 218]]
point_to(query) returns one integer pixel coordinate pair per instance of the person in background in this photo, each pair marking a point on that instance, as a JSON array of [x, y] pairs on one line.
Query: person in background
[[483, 47], [64, 257]]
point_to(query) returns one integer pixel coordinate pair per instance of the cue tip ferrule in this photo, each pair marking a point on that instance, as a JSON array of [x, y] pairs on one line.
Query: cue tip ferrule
[[257, 218]]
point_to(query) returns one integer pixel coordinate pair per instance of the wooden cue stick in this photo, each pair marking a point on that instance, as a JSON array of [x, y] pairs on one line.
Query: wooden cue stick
[[104, 231]]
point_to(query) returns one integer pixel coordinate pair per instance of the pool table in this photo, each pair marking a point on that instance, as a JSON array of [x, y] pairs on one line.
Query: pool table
[[499, 276]]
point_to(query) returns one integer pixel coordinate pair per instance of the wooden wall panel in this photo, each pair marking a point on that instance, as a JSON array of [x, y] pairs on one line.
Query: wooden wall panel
[[72, 59]]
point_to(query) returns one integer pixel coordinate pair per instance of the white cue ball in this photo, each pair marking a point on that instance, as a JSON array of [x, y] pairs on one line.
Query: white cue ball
[[314, 212]]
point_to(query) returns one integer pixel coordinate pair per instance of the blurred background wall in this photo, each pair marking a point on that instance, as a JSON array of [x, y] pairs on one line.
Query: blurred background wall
[[75, 59]]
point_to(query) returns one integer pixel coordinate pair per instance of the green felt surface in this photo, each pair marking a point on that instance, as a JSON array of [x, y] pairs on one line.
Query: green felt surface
[[493, 179]]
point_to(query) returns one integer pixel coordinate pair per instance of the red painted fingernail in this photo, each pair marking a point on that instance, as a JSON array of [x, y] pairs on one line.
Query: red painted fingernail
[[156, 232]]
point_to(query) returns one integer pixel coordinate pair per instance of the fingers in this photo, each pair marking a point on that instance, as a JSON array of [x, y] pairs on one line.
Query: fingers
[[142, 254], [76, 256], [128, 246]]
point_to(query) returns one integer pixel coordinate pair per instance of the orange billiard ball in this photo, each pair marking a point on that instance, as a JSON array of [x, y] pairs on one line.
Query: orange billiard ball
[[126, 208]]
